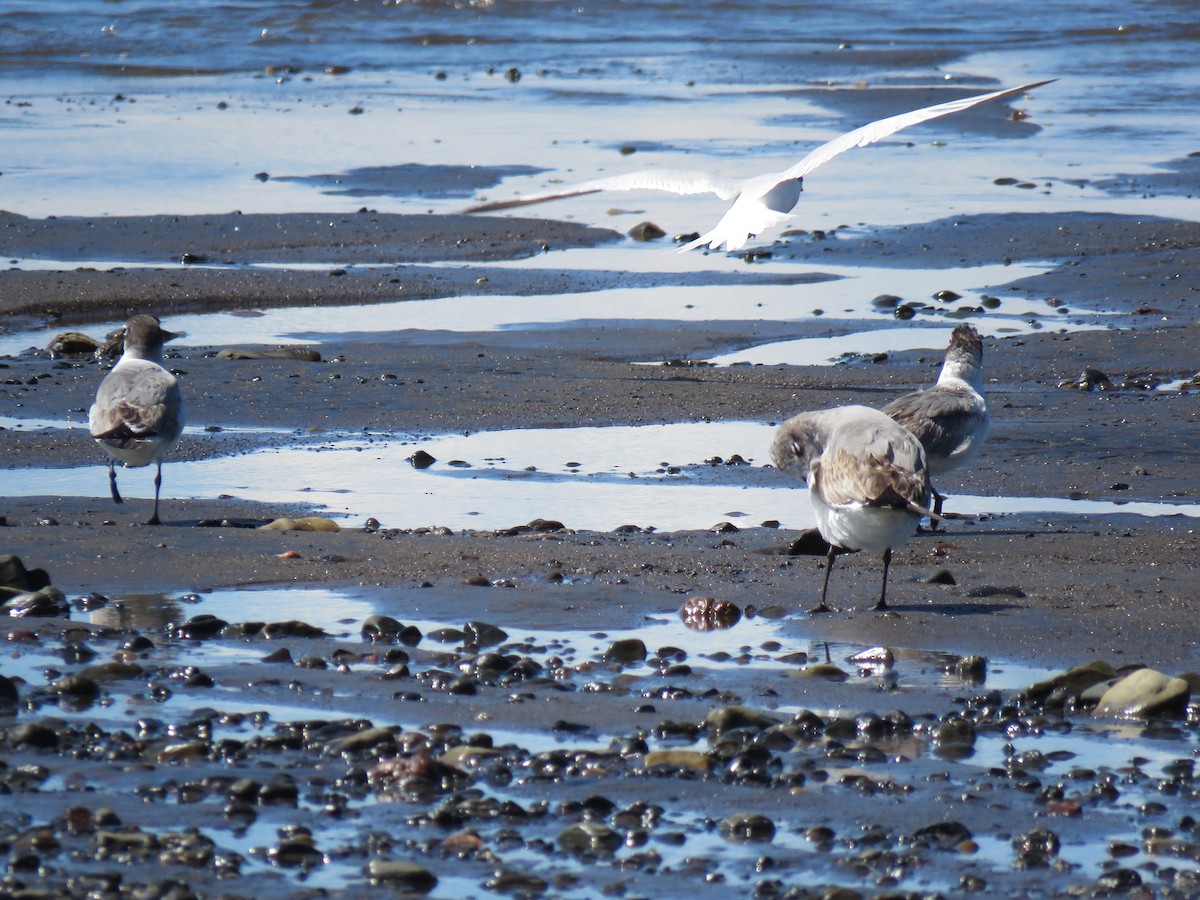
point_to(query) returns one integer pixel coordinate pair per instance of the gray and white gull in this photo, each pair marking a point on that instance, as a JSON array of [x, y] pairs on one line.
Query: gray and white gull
[[951, 418], [764, 200], [867, 479], [138, 414]]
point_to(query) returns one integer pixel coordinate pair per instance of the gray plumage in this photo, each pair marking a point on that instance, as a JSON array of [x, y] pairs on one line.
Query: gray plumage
[[867, 479], [950, 419], [138, 414]]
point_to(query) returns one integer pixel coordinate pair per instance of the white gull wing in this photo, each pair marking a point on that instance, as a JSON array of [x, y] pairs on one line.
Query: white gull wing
[[764, 199], [674, 181]]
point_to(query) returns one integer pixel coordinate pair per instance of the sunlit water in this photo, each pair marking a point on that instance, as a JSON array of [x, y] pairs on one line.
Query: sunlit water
[[668, 477], [147, 107]]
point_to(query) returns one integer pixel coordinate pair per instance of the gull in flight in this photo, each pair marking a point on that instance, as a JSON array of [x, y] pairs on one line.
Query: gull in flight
[[951, 418], [138, 413], [867, 480], [761, 201]]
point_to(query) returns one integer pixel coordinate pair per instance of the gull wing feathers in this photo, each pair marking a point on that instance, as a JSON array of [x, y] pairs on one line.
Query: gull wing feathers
[[763, 199], [877, 131], [674, 181], [140, 403], [873, 463], [944, 420]]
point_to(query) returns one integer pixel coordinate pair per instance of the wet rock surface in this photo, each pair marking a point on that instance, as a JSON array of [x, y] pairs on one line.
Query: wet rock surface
[[186, 760]]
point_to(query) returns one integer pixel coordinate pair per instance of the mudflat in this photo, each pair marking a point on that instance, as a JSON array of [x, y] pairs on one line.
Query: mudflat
[[1041, 590]]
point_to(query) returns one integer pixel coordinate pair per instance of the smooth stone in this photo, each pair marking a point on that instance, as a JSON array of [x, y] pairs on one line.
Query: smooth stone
[[464, 755], [1145, 693], [589, 837], [629, 650], [412, 876], [362, 740], [304, 354], [1075, 680], [307, 523], [726, 718], [678, 759], [828, 671], [746, 827]]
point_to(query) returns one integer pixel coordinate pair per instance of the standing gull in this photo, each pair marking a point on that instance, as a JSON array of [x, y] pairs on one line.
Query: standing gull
[[951, 418], [866, 477], [138, 413], [761, 201]]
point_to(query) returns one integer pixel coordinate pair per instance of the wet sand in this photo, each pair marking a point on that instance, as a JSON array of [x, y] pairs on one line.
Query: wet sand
[[1046, 590]]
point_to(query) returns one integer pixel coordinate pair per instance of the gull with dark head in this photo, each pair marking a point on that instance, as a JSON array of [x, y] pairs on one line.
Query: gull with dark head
[[764, 200], [951, 418], [138, 413], [866, 477]]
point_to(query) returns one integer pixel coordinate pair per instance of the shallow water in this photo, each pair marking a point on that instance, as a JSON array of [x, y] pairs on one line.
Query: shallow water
[[1107, 747], [150, 107], [597, 479]]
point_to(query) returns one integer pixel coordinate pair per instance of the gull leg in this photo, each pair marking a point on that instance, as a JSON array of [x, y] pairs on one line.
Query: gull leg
[[112, 484], [887, 561], [157, 484], [937, 508], [829, 558]]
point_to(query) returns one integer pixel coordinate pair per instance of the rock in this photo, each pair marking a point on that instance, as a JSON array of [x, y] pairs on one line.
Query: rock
[[646, 231], [72, 343], [1119, 881], [74, 686], [13, 574], [366, 739], [421, 460], [9, 698], [709, 613], [873, 657], [941, 576], [464, 755], [626, 652], [726, 718], [678, 759], [481, 634], [1035, 848], [809, 543], [746, 827], [971, 668], [1089, 380], [944, 835], [828, 671], [377, 628], [304, 354], [1145, 693], [111, 671], [411, 877], [589, 837], [308, 523], [47, 602], [1073, 681]]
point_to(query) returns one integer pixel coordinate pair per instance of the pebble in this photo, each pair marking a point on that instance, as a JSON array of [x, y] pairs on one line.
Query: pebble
[[409, 876], [646, 231], [709, 613], [626, 651], [744, 827], [590, 837]]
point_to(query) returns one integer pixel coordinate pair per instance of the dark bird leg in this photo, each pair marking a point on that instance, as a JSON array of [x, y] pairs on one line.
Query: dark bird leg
[[829, 557], [157, 484], [112, 484], [937, 507], [887, 561]]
